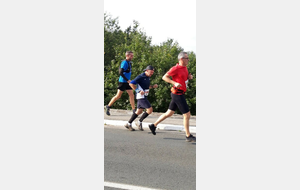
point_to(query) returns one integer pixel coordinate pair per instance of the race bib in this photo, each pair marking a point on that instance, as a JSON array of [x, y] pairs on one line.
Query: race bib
[[139, 96], [186, 83]]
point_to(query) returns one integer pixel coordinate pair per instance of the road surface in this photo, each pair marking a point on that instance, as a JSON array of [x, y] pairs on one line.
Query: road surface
[[138, 158]]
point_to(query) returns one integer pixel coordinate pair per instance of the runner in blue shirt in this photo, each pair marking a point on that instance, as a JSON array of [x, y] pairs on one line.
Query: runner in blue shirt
[[124, 80], [141, 85]]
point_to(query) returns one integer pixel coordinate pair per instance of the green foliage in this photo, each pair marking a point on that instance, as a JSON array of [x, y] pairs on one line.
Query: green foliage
[[162, 57]]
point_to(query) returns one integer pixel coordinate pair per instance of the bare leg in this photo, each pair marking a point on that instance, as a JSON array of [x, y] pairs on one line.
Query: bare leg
[[139, 111], [186, 123], [169, 113], [131, 98], [115, 98], [149, 110]]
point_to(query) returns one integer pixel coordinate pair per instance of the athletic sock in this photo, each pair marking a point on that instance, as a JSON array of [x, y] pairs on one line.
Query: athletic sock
[[145, 114], [133, 117]]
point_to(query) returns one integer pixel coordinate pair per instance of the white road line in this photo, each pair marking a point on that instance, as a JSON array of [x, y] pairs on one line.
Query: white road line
[[125, 186], [145, 125]]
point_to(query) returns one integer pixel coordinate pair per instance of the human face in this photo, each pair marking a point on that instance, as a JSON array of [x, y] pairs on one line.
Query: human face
[[185, 60], [129, 56], [149, 73]]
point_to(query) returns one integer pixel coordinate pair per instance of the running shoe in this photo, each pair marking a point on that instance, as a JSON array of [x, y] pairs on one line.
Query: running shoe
[[139, 125], [152, 128], [191, 138], [107, 110], [129, 127]]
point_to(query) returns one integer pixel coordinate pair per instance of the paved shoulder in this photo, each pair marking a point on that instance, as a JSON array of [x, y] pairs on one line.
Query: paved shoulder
[[120, 117]]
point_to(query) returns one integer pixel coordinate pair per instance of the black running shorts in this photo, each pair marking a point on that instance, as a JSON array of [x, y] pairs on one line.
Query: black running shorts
[[143, 104], [178, 101], [124, 86]]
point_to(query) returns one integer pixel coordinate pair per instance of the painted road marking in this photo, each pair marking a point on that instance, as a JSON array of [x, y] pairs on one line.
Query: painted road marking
[[125, 186], [145, 125]]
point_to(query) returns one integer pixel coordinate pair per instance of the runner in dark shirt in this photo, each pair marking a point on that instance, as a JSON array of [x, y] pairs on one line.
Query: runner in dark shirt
[[141, 85]]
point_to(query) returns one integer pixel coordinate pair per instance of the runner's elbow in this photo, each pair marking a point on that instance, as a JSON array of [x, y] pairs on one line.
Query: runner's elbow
[[165, 78]]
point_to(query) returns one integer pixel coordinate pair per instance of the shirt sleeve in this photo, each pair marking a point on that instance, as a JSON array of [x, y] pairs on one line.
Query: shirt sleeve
[[136, 80]]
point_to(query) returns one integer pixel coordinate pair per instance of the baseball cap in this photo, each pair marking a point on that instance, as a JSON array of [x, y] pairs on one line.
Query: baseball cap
[[149, 67]]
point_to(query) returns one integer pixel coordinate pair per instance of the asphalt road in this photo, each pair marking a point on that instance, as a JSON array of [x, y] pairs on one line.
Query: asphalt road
[[138, 158]]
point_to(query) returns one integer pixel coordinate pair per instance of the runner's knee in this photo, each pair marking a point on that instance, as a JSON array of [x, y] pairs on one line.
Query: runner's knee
[[139, 111], [149, 110], [130, 93], [169, 113], [187, 115], [118, 96]]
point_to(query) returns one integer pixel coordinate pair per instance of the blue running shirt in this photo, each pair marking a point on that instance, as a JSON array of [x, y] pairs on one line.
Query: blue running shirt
[[125, 64]]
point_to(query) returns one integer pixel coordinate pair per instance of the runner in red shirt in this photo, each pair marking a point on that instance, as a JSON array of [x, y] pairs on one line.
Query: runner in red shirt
[[179, 74], [180, 77]]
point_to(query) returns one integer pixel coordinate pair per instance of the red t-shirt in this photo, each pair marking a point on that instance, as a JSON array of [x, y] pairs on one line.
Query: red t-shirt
[[179, 74]]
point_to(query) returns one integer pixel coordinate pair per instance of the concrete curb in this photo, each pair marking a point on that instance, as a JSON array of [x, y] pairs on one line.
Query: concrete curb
[[167, 127]]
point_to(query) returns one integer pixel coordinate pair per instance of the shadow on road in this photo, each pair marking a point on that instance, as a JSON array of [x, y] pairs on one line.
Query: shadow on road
[[179, 140], [175, 139]]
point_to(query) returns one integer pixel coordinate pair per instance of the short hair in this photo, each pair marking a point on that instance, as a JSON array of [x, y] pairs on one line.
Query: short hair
[[128, 52], [181, 55]]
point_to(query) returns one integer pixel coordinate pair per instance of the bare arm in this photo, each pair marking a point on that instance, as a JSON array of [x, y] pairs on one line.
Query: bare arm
[[133, 86], [168, 79], [153, 86]]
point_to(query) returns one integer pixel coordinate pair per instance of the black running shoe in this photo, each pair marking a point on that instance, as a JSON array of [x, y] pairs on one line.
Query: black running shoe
[[152, 128], [191, 138], [139, 125], [107, 110], [129, 127]]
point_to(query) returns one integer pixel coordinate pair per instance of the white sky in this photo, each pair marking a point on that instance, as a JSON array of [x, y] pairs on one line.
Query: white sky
[[160, 19]]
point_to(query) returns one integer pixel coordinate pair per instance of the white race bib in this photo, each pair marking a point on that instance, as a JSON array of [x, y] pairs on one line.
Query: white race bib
[[138, 95], [186, 83]]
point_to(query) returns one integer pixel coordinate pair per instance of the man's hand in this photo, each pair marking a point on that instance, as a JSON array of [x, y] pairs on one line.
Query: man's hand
[[166, 78], [190, 76], [128, 81], [142, 92], [177, 85], [155, 86]]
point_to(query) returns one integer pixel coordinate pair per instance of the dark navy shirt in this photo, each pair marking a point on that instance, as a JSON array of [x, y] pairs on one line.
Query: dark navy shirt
[[143, 82]]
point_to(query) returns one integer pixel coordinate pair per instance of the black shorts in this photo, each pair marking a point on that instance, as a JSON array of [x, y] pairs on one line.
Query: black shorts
[[178, 101], [124, 86], [143, 103]]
